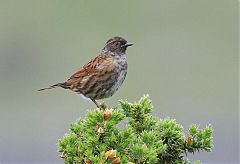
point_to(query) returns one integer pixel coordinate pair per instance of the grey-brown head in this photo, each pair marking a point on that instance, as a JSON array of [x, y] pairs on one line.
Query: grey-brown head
[[116, 45]]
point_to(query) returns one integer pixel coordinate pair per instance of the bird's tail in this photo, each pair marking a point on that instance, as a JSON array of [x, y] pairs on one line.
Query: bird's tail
[[51, 87]]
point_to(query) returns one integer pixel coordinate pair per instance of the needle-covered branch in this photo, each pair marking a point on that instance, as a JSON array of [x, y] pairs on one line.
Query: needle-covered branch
[[97, 139]]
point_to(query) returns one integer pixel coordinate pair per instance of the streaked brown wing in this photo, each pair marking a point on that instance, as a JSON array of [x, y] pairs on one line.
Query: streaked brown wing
[[83, 75], [93, 66]]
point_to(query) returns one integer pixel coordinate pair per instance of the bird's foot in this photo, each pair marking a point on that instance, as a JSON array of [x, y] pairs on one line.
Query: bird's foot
[[103, 106]]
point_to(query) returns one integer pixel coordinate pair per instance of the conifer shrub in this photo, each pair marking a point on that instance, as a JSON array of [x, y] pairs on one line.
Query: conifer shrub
[[98, 139]]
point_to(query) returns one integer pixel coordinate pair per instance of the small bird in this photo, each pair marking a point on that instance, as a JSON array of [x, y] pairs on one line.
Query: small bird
[[102, 76]]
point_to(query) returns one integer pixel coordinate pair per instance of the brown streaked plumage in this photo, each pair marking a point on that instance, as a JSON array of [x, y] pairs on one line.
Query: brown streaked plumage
[[103, 75]]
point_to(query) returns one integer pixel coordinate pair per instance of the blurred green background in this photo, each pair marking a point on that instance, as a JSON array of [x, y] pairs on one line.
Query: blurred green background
[[185, 55]]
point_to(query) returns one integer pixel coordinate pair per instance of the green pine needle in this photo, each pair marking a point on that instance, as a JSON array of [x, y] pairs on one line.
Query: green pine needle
[[144, 139]]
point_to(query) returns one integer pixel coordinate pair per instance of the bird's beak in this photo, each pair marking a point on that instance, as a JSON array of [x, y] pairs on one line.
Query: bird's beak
[[127, 45]]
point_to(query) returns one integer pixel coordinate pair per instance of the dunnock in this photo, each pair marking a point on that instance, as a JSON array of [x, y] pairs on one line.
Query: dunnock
[[103, 75]]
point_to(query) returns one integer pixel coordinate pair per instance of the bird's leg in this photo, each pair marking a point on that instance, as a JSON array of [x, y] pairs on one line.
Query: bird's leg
[[95, 102]]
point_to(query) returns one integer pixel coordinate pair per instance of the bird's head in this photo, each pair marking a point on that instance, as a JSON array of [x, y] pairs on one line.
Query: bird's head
[[117, 45]]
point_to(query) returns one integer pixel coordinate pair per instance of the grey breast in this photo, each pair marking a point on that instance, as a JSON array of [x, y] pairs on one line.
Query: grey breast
[[119, 76]]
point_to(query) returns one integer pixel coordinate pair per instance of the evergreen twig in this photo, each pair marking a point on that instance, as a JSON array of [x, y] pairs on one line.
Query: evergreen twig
[[145, 139]]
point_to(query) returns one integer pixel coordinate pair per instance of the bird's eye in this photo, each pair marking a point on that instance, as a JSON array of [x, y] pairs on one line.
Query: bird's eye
[[117, 44]]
